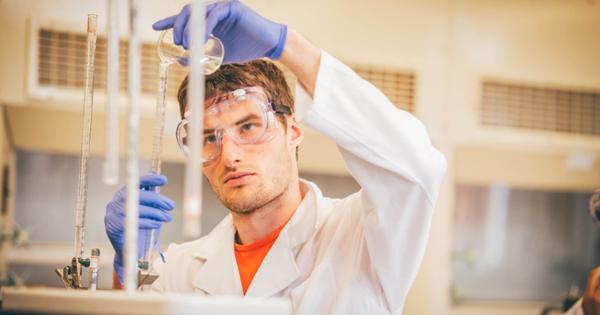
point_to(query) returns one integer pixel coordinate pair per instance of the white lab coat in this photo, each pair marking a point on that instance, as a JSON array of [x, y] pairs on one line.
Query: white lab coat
[[356, 255]]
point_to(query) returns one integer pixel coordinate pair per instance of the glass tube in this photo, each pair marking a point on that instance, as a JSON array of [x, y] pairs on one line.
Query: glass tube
[[159, 127], [132, 198], [88, 106], [159, 119], [111, 126], [192, 203]]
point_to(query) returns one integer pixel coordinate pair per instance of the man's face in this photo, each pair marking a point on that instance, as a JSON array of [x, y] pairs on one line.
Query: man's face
[[248, 176]]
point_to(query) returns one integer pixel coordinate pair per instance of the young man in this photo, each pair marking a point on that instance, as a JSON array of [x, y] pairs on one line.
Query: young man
[[357, 255]]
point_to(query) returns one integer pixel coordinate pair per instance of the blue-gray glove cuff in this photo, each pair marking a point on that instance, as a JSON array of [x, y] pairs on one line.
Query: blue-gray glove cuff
[[276, 52]]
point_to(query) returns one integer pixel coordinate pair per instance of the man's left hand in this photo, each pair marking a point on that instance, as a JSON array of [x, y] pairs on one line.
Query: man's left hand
[[246, 35]]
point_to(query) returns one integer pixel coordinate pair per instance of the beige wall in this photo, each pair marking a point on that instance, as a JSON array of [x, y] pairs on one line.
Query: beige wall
[[450, 45]]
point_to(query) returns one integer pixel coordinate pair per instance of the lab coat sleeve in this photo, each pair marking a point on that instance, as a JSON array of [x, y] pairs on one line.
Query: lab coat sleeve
[[389, 153]]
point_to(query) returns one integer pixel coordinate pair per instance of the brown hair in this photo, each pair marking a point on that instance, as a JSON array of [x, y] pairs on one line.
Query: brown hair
[[230, 77]]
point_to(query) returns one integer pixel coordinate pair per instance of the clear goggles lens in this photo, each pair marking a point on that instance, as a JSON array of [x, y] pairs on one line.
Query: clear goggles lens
[[244, 115]]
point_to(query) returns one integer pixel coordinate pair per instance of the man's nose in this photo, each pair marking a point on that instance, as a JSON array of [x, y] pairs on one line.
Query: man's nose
[[231, 152]]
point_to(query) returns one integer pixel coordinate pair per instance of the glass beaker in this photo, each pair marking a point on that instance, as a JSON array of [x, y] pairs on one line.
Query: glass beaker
[[171, 53]]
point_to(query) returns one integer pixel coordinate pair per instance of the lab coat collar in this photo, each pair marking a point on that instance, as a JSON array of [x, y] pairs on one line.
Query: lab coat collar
[[219, 275]]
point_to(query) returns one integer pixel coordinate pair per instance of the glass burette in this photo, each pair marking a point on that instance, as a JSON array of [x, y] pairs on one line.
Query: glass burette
[[71, 275], [88, 104]]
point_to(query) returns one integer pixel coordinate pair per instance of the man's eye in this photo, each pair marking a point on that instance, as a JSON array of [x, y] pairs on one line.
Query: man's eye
[[248, 126], [210, 139]]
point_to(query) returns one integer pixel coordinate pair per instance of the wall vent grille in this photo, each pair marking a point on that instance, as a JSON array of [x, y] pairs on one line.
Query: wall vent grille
[[61, 63], [398, 86], [540, 108]]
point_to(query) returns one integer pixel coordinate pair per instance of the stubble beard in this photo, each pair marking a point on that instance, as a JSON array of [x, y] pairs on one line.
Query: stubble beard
[[245, 200], [258, 198]]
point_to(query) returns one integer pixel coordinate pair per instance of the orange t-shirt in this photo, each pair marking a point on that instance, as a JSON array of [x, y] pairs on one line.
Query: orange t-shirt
[[249, 257]]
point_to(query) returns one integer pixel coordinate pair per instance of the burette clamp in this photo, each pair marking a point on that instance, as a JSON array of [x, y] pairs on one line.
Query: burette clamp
[[71, 275]]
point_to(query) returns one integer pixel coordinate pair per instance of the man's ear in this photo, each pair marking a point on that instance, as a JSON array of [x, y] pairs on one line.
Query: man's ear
[[295, 134]]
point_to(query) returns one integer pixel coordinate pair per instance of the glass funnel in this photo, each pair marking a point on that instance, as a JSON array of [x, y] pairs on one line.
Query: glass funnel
[[171, 53]]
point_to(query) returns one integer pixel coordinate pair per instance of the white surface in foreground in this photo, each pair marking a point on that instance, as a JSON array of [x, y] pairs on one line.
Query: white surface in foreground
[[63, 301]]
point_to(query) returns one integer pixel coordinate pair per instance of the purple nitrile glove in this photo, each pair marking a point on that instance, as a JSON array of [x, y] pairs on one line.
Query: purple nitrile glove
[[154, 210], [245, 34]]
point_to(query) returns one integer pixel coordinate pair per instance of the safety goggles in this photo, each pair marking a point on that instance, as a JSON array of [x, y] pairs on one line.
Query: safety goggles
[[245, 115]]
